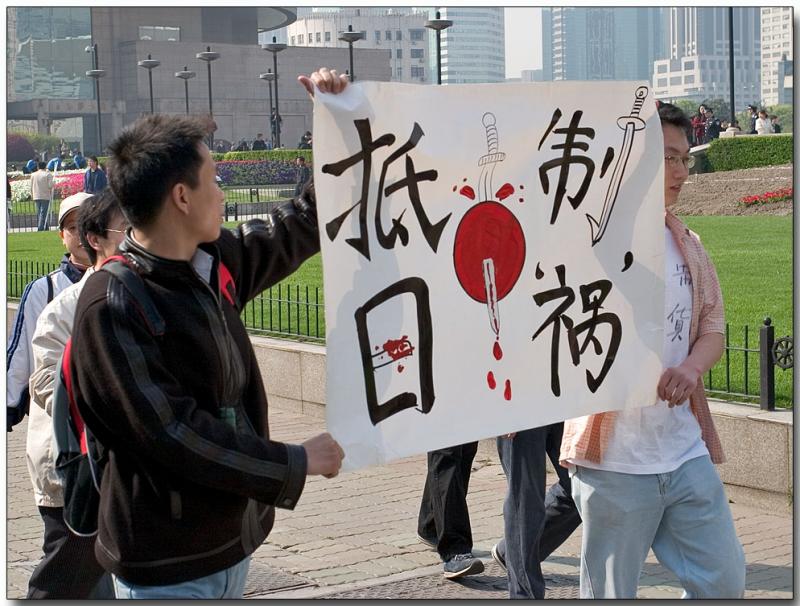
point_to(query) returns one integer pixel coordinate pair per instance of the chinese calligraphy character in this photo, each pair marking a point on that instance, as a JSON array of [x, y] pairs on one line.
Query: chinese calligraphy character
[[566, 160], [600, 289], [683, 275], [431, 232], [676, 318]]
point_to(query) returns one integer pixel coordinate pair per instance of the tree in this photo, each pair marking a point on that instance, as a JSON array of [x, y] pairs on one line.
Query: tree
[[18, 148]]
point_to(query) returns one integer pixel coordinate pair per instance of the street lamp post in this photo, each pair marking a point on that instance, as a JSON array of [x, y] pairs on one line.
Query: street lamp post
[[269, 77], [438, 25], [208, 56], [730, 59], [186, 75], [96, 73], [149, 64], [350, 37], [274, 47]]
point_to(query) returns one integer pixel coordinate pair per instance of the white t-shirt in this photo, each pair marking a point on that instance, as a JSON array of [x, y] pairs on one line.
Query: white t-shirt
[[657, 438]]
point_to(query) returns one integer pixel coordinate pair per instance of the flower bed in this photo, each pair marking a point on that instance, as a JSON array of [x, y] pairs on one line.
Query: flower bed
[[256, 172], [786, 193], [67, 182]]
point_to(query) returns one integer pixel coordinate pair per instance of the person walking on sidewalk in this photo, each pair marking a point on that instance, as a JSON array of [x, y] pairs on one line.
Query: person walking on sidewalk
[[645, 477], [69, 569], [535, 523], [177, 401], [443, 521]]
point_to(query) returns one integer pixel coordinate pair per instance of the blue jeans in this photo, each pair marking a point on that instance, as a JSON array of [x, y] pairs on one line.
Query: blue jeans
[[683, 515], [560, 513], [225, 584], [42, 208]]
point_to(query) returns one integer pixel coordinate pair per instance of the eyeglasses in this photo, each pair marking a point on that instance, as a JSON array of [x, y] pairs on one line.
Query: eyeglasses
[[675, 161], [116, 231]]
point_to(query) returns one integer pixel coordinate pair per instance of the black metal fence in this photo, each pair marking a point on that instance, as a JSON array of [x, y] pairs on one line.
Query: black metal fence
[[242, 202], [298, 312]]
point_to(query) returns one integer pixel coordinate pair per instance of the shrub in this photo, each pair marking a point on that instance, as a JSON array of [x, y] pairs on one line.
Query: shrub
[[781, 195], [256, 172], [18, 148], [276, 155], [734, 153], [68, 184]]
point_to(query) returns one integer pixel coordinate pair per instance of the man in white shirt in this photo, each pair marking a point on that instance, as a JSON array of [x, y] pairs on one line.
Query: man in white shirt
[[42, 194]]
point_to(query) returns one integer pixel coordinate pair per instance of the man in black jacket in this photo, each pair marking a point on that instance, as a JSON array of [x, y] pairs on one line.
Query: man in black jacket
[[192, 478]]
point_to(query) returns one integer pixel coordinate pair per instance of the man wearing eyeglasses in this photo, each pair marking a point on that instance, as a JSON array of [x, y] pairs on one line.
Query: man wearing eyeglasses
[[645, 477]]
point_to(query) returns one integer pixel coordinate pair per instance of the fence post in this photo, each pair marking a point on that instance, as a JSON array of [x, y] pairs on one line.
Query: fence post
[[767, 365]]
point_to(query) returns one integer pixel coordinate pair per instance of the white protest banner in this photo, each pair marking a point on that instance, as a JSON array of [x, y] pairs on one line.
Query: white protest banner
[[492, 257]]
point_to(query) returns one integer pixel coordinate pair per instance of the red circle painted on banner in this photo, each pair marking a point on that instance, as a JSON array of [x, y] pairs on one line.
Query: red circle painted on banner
[[488, 230]]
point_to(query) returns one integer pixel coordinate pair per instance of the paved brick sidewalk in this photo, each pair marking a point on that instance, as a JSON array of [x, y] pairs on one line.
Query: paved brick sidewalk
[[355, 536]]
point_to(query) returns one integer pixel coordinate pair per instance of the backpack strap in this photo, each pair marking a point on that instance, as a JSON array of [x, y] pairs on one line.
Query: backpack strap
[[120, 269], [49, 287]]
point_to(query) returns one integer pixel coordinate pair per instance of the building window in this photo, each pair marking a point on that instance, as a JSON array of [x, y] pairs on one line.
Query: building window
[[327, 36], [318, 37], [399, 54], [662, 82], [377, 35], [688, 79], [159, 33], [388, 34], [675, 80], [399, 72], [363, 32], [417, 53], [299, 39], [661, 69], [417, 72], [292, 44], [416, 35], [688, 65], [398, 35]]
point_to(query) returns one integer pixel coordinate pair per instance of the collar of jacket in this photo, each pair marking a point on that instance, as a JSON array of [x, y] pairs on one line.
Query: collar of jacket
[[72, 271], [147, 263]]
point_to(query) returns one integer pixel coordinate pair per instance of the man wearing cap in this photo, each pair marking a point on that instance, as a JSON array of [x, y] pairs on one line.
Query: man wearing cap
[[42, 193], [39, 292], [20, 364]]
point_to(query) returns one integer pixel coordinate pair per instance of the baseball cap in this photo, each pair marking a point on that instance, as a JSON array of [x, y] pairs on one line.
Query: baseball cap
[[70, 203]]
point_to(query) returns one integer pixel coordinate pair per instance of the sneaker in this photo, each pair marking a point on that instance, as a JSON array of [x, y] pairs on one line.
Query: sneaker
[[461, 565], [425, 541], [498, 558]]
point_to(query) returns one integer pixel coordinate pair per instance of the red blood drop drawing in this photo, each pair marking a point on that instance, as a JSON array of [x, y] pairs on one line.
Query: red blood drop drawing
[[497, 351], [522, 187], [455, 187], [468, 192], [488, 230], [505, 191], [398, 348], [522, 199], [507, 392], [400, 368], [490, 380]]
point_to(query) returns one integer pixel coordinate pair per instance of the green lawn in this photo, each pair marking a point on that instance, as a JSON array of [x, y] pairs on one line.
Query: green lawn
[[753, 256]]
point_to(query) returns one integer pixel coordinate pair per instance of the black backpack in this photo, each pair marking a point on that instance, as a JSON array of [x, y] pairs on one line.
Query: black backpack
[[80, 457]]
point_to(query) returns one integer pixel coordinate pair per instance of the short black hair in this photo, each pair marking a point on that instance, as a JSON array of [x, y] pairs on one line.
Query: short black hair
[[94, 158], [94, 216], [42, 165], [149, 158], [674, 115]]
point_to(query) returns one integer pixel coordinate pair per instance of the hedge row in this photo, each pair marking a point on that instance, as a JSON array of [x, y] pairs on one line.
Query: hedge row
[[735, 153], [274, 155]]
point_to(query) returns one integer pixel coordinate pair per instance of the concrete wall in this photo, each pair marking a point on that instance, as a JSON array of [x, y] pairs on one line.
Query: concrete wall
[[759, 445]]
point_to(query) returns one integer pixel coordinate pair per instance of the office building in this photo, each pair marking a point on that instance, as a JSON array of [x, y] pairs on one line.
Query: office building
[[777, 54], [698, 64], [601, 43], [47, 64], [473, 48], [398, 32]]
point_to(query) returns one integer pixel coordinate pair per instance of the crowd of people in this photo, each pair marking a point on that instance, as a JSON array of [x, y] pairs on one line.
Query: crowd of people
[[191, 477], [706, 126]]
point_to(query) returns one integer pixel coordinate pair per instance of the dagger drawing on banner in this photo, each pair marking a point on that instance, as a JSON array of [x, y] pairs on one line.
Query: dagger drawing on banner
[[487, 164], [630, 124]]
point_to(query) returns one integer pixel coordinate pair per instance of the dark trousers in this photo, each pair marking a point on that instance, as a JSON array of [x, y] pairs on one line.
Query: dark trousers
[[443, 513], [535, 524], [69, 569]]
